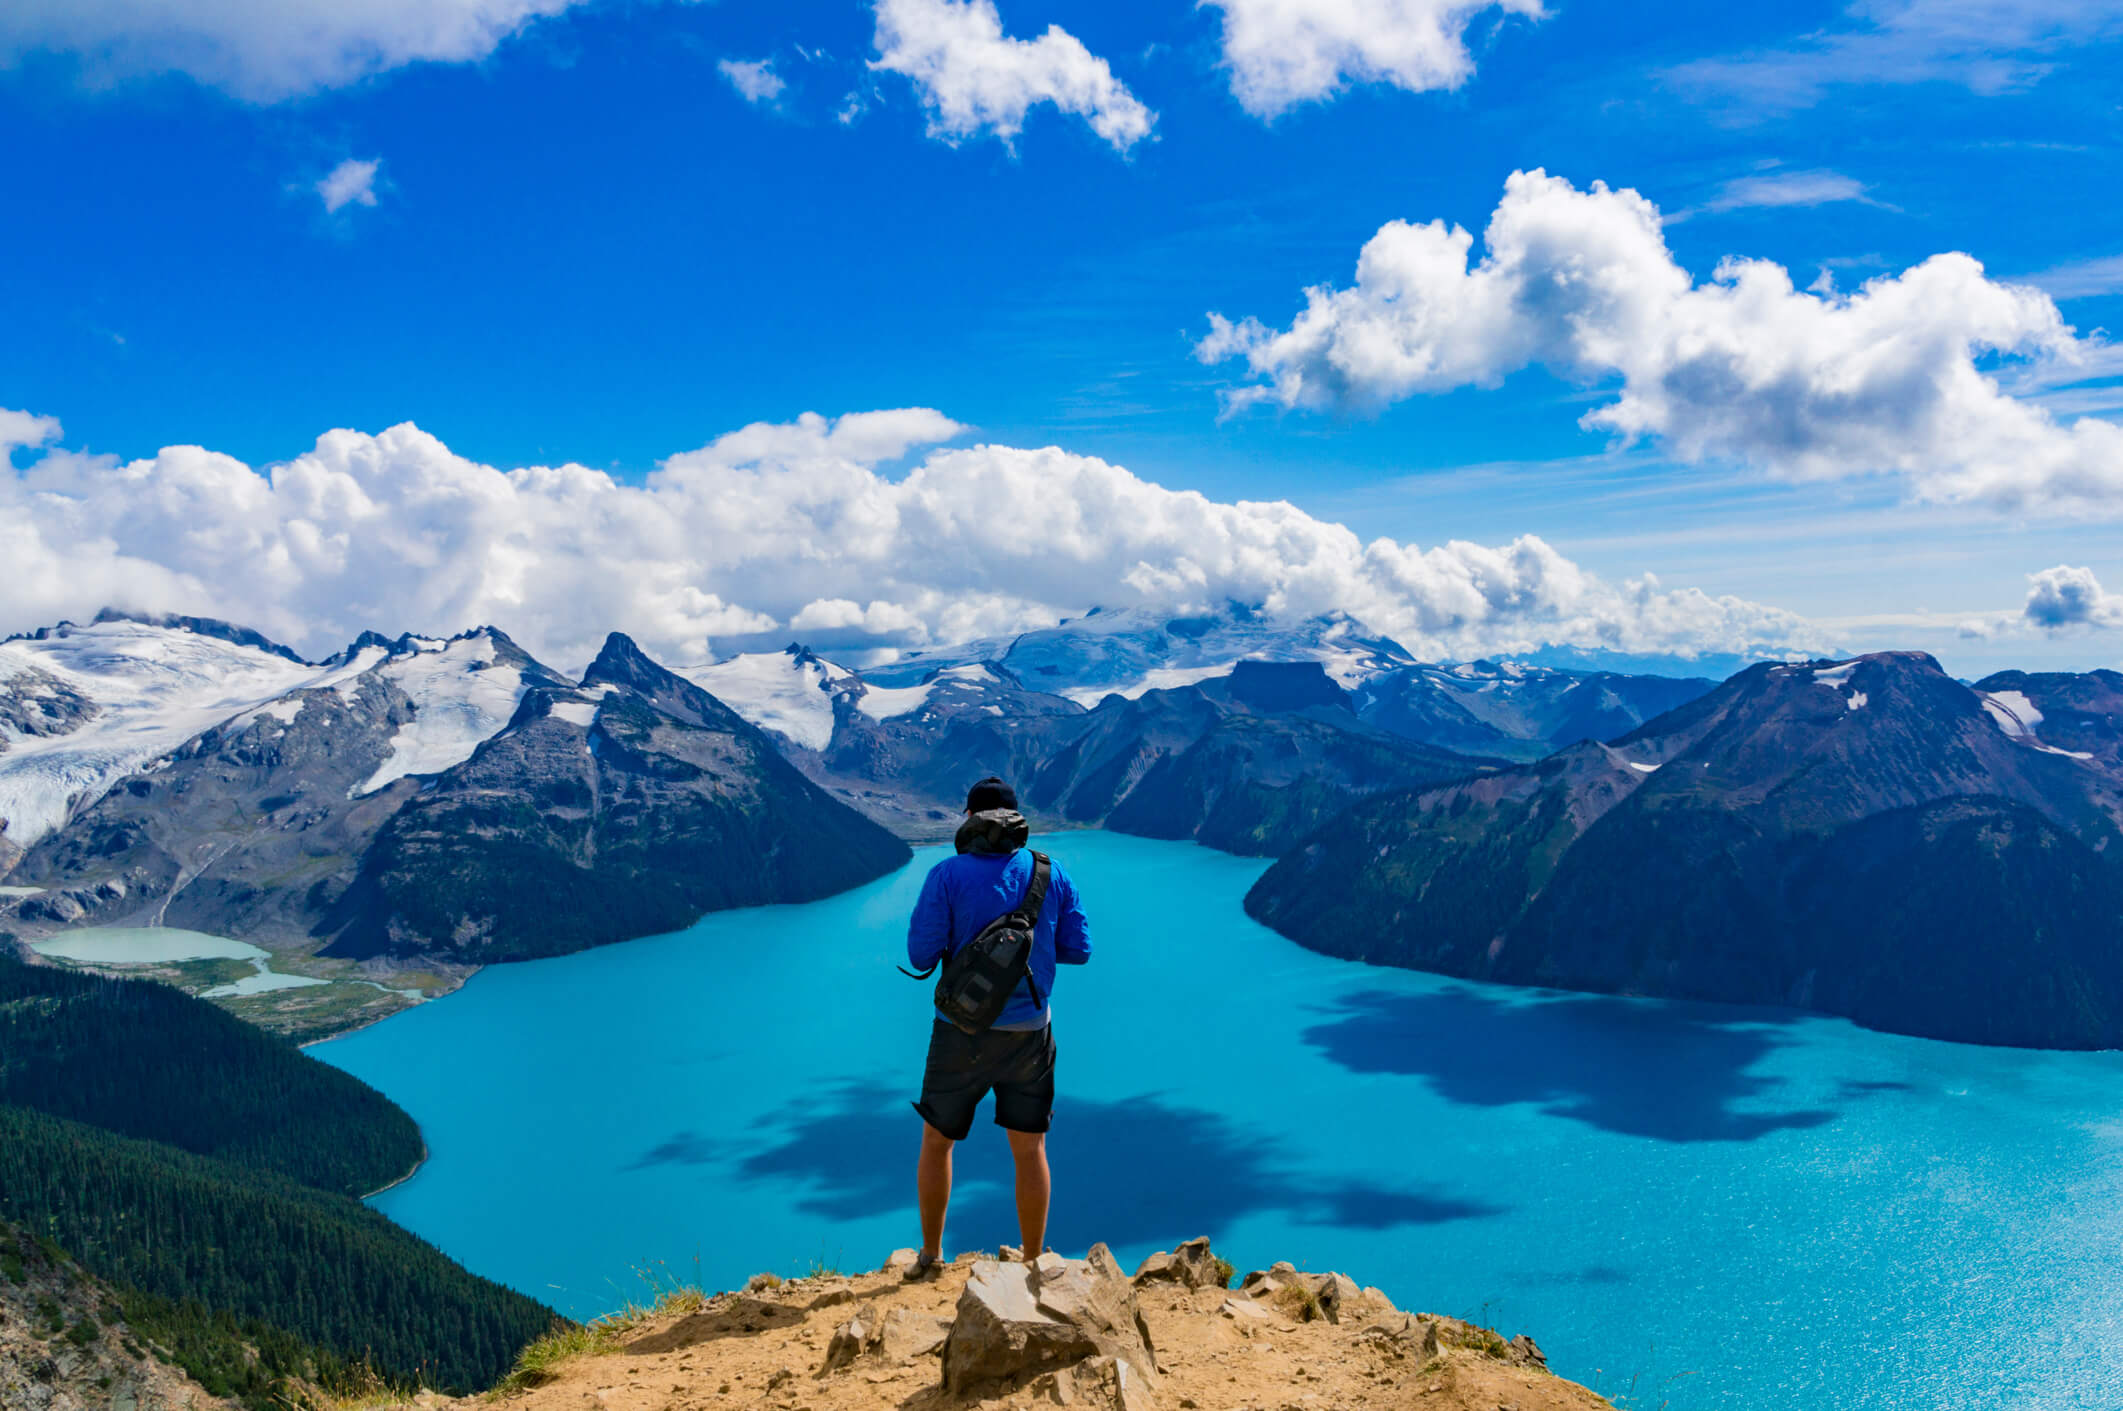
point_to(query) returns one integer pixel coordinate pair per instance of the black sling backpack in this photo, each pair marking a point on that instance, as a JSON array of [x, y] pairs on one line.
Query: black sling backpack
[[981, 975]]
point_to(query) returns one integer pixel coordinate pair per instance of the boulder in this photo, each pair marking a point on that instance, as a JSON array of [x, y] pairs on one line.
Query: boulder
[[1016, 1321], [901, 1260], [1192, 1266], [1526, 1352]]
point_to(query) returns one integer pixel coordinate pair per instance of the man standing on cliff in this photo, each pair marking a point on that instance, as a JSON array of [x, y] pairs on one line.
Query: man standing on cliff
[[1014, 1058]]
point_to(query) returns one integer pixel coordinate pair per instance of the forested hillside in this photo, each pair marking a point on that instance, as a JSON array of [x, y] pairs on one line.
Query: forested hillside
[[252, 1245], [206, 1171], [147, 1061]]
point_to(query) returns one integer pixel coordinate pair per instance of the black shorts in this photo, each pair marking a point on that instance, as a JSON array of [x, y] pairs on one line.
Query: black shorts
[[1018, 1066]]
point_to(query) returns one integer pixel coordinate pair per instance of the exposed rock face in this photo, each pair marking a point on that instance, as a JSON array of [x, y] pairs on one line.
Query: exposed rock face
[[1870, 839], [1016, 1321], [63, 1347]]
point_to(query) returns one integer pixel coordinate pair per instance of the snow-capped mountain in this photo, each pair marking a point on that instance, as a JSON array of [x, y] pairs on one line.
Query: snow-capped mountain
[[88, 705], [181, 773], [1134, 650]]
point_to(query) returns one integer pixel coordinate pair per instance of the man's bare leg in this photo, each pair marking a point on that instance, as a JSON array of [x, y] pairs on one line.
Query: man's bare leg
[[932, 1187], [1035, 1187]]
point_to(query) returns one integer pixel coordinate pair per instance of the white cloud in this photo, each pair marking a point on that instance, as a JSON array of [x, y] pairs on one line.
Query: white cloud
[[768, 532], [2082, 279], [1986, 46], [755, 79], [2065, 597], [976, 81], [1285, 52], [350, 183], [20, 429], [1742, 368], [1785, 188], [262, 52]]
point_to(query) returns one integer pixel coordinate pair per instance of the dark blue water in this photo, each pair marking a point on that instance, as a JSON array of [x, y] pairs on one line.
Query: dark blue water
[[1688, 1206]]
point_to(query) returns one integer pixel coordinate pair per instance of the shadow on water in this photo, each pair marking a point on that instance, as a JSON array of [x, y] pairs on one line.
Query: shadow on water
[[1129, 1172], [1673, 1072]]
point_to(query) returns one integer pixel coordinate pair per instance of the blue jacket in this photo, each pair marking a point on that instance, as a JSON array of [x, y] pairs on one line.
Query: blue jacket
[[966, 892]]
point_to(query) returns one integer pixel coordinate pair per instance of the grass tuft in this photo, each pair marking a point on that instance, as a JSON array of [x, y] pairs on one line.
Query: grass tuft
[[1225, 1270], [1297, 1300], [540, 1362], [363, 1391]]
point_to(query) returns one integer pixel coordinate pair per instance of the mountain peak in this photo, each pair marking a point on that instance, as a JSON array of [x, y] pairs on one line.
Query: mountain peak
[[622, 662]]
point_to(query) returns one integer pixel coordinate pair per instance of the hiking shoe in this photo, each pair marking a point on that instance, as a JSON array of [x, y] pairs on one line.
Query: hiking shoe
[[924, 1268]]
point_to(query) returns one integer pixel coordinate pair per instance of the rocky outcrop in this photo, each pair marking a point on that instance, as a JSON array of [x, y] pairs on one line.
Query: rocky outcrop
[[998, 1333]]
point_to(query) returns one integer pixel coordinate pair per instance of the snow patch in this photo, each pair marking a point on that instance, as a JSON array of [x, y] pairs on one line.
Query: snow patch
[[1643, 768], [461, 699], [1856, 700], [2013, 712], [1837, 676], [885, 702], [1165, 678], [775, 691], [575, 712], [156, 687]]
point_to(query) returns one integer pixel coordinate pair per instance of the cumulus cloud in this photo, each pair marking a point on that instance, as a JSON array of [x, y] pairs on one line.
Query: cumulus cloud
[[2065, 597], [1896, 377], [351, 183], [262, 52], [1986, 46], [755, 79], [975, 81], [1285, 52], [772, 531]]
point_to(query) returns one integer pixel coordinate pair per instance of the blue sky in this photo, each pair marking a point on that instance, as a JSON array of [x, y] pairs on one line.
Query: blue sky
[[581, 242]]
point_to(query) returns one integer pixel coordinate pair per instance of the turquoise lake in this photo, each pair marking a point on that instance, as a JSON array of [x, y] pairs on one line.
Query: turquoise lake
[[1688, 1206]]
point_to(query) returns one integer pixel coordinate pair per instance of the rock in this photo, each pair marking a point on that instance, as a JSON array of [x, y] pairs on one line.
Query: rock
[[850, 1340], [1527, 1353], [1334, 1294], [1192, 1266], [904, 1335], [1407, 1334], [1016, 1321], [1111, 1382], [901, 1259], [832, 1297]]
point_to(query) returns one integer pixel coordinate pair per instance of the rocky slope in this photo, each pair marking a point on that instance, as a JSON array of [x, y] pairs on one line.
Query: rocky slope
[[1078, 1333], [66, 1346], [1867, 838], [623, 806]]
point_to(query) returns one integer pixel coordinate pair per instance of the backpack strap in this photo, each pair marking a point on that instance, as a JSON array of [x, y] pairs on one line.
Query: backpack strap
[[1035, 891]]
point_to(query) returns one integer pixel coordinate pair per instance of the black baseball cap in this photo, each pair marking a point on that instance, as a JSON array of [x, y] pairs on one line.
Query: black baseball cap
[[990, 793]]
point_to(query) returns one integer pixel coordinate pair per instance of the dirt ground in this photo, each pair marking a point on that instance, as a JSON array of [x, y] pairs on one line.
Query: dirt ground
[[1216, 1350]]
